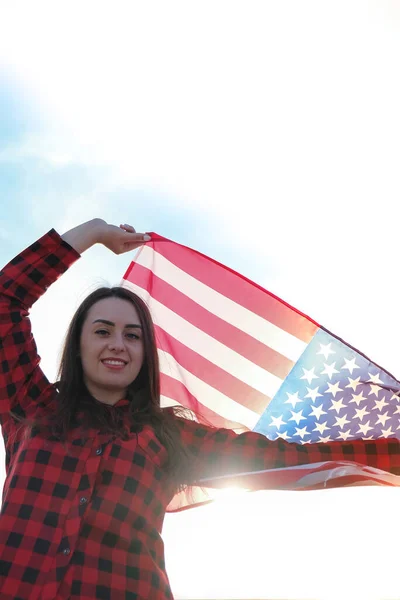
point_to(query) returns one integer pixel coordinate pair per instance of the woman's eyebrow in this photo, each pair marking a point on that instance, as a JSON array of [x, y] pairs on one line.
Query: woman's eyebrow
[[134, 325]]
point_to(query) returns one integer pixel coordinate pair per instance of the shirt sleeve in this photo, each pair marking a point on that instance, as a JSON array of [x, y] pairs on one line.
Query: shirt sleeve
[[22, 281], [221, 452]]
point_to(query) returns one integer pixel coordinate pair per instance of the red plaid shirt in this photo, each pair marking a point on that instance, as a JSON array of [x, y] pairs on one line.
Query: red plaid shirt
[[83, 519]]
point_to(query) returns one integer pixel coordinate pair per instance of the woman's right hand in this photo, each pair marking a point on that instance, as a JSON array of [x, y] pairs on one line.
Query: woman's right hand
[[117, 239], [121, 239]]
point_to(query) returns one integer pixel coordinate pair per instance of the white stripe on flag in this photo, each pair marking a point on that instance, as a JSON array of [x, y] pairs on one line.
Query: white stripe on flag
[[218, 304], [165, 401], [207, 395], [208, 347]]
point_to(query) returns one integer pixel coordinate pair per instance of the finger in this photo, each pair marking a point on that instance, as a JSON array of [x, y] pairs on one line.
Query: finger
[[127, 227], [138, 238]]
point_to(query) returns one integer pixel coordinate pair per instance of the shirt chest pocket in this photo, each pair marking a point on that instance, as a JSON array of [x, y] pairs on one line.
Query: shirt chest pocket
[[152, 447]]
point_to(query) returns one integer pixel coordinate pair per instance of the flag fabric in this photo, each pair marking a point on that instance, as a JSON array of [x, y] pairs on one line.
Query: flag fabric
[[243, 358]]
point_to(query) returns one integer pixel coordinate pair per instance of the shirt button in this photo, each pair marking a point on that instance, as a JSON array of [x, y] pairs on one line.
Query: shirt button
[[66, 551], [99, 451], [83, 500]]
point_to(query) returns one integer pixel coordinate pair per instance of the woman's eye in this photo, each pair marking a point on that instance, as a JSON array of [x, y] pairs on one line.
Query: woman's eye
[[101, 331], [132, 336]]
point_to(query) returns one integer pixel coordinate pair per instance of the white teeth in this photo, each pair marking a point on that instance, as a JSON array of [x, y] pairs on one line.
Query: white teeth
[[113, 362]]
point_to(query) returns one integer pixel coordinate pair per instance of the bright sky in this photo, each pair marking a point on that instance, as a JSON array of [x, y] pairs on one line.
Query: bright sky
[[265, 134]]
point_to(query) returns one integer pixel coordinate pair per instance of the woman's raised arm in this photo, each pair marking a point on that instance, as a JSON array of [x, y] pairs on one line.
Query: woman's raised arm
[[23, 385]]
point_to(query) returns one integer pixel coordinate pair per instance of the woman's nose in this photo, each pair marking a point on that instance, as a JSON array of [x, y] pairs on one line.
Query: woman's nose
[[116, 343]]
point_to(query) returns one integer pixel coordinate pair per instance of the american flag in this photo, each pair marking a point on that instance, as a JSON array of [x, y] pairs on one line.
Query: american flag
[[243, 358]]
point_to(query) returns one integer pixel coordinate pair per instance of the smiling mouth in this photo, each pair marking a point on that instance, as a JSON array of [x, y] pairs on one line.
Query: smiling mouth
[[114, 364]]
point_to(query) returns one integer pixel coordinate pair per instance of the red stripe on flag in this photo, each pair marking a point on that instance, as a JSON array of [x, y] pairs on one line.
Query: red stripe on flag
[[214, 376], [177, 391], [226, 333], [238, 288]]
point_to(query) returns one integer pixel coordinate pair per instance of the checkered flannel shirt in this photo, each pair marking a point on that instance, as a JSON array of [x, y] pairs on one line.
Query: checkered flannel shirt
[[83, 519]]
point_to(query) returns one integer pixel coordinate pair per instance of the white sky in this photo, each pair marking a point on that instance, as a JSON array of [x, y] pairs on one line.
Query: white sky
[[265, 133]]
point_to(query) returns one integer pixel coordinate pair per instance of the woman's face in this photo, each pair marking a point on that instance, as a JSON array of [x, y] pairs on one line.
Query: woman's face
[[111, 348]]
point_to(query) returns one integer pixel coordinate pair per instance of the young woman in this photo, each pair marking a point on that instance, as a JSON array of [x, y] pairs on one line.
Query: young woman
[[93, 461]]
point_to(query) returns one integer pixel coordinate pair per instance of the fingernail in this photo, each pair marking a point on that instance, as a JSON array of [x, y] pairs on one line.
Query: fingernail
[[146, 237]]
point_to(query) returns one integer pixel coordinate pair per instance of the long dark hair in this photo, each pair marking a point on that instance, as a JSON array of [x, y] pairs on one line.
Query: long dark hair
[[143, 393]]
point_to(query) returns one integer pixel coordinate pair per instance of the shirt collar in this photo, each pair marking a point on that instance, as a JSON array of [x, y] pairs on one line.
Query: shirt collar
[[122, 402]]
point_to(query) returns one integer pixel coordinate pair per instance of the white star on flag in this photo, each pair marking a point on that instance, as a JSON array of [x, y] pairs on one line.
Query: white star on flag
[[313, 393], [337, 405], [301, 432], [354, 383], [387, 432], [364, 428], [297, 416], [383, 418], [357, 398], [329, 370], [379, 404], [341, 421], [326, 350], [333, 388], [345, 434], [293, 399], [361, 412], [375, 378], [309, 374], [321, 427], [350, 365], [375, 389], [316, 411], [277, 422]]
